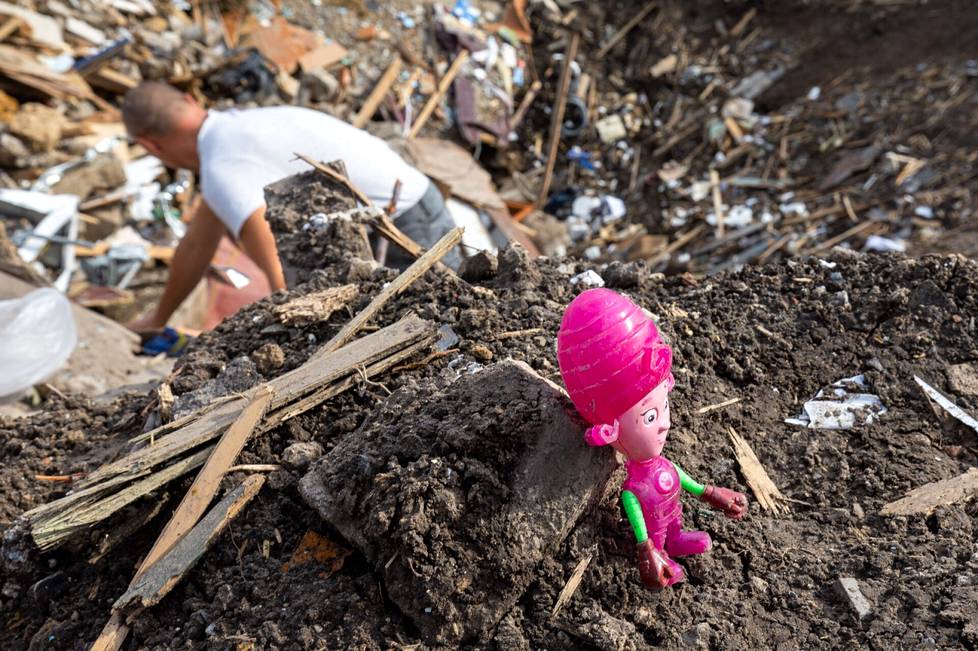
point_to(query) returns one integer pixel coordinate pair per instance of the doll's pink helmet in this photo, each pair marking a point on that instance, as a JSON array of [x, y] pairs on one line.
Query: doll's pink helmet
[[610, 354]]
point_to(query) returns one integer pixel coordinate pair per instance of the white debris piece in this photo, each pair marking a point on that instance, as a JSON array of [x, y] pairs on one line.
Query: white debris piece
[[611, 129], [884, 244], [814, 93], [841, 406], [589, 278], [946, 404], [848, 587]]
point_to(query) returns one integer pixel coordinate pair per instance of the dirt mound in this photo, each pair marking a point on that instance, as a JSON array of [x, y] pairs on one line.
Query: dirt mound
[[771, 336]]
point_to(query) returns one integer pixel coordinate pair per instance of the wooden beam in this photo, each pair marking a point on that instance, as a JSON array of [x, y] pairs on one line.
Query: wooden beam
[[623, 32], [402, 282], [378, 94], [443, 87], [557, 119], [924, 499], [159, 578]]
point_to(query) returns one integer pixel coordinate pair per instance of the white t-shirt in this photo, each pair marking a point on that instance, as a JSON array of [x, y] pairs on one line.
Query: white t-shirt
[[243, 151]]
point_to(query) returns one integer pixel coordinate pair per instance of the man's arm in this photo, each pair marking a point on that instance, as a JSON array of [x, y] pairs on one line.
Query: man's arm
[[258, 243], [191, 259]]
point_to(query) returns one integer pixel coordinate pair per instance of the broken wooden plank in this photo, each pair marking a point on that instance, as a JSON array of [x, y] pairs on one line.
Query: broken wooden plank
[[443, 85], [378, 94], [766, 492], [161, 577], [557, 118], [52, 523], [316, 307], [399, 284], [205, 485], [924, 499]]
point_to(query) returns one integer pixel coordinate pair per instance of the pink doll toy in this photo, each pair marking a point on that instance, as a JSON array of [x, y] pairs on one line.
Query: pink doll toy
[[618, 372]]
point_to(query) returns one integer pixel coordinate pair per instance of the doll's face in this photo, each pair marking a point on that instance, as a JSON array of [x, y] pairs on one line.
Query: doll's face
[[642, 430]]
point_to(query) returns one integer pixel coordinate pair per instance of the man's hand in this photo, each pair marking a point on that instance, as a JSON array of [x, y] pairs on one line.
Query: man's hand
[[732, 503], [653, 567]]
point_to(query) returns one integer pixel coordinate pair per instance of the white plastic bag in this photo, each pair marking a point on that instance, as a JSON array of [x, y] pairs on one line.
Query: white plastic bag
[[37, 335]]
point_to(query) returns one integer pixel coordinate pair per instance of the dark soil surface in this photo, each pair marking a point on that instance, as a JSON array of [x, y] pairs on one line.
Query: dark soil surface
[[768, 580]]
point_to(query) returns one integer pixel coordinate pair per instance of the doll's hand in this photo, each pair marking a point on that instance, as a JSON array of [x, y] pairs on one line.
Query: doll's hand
[[732, 503], [602, 434], [653, 569]]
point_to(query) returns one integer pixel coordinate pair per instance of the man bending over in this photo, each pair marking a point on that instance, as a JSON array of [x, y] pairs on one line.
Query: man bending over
[[236, 153]]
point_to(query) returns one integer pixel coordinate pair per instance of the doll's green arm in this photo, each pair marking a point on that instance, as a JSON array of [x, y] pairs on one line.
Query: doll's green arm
[[689, 484], [633, 510]]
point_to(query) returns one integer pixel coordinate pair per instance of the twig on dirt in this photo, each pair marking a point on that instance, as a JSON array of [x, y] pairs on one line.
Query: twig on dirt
[[424, 362], [59, 478], [362, 372], [623, 31], [255, 467], [525, 104], [717, 201], [767, 494], [726, 403], [572, 584], [557, 118], [517, 334]]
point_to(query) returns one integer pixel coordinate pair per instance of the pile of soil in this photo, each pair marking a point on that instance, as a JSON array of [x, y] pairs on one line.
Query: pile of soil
[[771, 336]]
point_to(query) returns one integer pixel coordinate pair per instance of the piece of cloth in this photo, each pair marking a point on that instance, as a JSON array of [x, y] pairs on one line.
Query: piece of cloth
[[243, 151], [426, 222]]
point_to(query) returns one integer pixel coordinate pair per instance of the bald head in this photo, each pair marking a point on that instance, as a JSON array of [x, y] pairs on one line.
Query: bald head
[[165, 121], [154, 109]]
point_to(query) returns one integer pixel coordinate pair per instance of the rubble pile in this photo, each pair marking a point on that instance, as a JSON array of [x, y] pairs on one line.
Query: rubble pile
[[374, 459], [409, 478]]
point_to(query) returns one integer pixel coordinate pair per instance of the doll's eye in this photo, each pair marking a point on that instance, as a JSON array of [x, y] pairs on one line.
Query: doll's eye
[[649, 417]]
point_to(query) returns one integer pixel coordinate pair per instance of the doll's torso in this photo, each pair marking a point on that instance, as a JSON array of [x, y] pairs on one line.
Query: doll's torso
[[655, 483]]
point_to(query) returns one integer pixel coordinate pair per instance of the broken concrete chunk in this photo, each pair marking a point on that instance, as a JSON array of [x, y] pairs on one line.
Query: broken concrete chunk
[[102, 173], [39, 125], [481, 266], [299, 455], [457, 495], [963, 379], [848, 588]]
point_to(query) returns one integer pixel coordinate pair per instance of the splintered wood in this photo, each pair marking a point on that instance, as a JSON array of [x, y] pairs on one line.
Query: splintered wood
[[924, 499], [316, 307], [572, 583], [768, 495], [158, 579], [111, 487]]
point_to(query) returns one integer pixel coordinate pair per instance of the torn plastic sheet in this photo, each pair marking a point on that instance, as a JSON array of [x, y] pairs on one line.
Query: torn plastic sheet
[[841, 406]]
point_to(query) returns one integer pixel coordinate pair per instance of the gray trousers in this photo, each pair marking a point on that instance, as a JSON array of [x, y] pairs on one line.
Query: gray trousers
[[425, 222]]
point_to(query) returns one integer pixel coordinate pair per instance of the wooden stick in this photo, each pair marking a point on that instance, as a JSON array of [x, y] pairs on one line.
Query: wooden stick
[[408, 276], [841, 237], [194, 504], [443, 87], [924, 499], [525, 104], [679, 243], [202, 491], [717, 201], [336, 176], [557, 119], [572, 583], [623, 32], [719, 405], [377, 95], [9, 27], [767, 494], [161, 577]]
